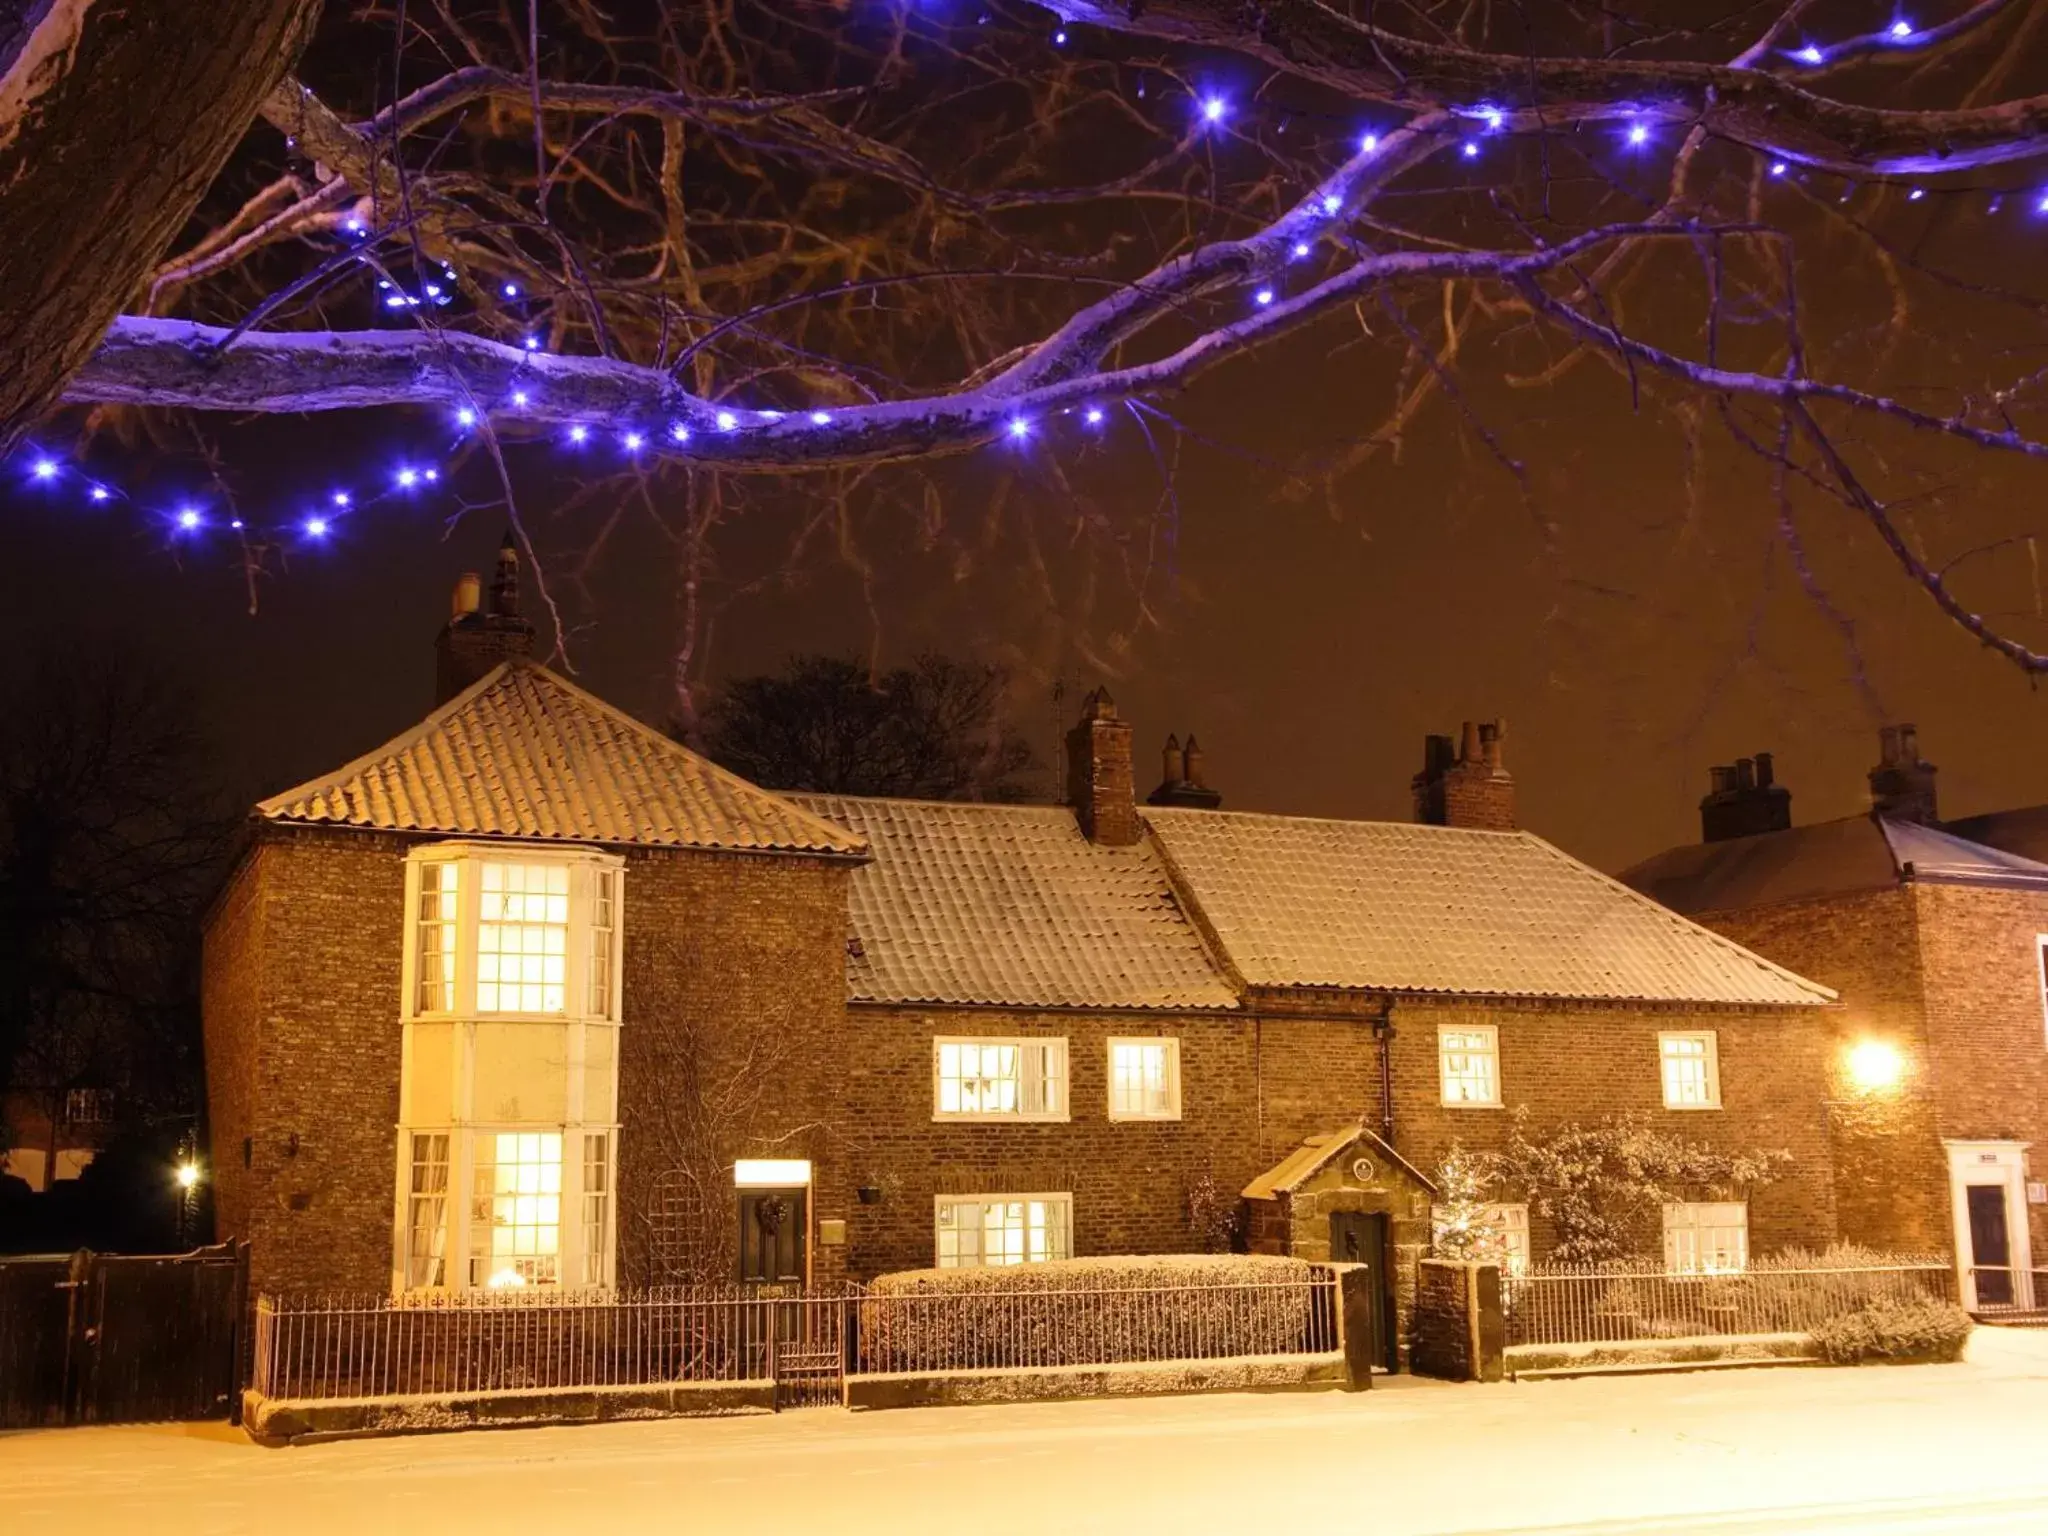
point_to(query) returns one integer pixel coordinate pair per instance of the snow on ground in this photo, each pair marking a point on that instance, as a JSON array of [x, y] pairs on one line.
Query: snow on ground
[[1921, 1448]]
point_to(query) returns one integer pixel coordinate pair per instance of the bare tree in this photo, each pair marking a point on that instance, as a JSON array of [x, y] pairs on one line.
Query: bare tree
[[751, 237], [932, 730]]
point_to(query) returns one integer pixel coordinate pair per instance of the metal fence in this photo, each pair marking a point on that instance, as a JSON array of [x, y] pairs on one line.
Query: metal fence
[[1996, 1290], [1615, 1303], [322, 1348], [1044, 1327]]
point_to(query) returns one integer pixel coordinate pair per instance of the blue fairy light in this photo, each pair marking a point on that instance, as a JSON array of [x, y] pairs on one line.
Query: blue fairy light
[[1916, 194], [1901, 30], [533, 343], [2042, 205], [44, 469], [727, 421], [341, 498], [1264, 296], [1494, 118], [236, 524], [1059, 39], [1778, 167], [1301, 249], [1093, 415], [519, 397], [1471, 149], [820, 418], [431, 475], [1214, 108], [634, 442], [1019, 427], [408, 478], [316, 527], [466, 417], [679, 433], [1638, 133], [579, 433], [189, 519], [100, 493], [1332, 202], [511, 290], [1369, 143], [1810, 55]]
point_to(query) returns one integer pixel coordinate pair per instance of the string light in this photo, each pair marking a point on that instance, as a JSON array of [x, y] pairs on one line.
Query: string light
[[189, 519], [466, 417], [1369, 143], [533, 343], [236, 524], [519, 397], [1638, 134], [1019, 427], [341, 498], [511, 290], [99, 493], [1901, 30], [1301, 249], [1778, 167], [1093, 415], [408, 478], [679, 433], [1916, 194], [634, 442], [579, 433], [45, 469], [1471, 149], [1332, 202], [1213, 109], [1264, 296], [1810, 55], [820, 418], [316, 527], [727, 421]]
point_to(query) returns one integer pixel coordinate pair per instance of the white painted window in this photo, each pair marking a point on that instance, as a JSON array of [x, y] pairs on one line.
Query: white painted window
[[1510, 1224], [1144, 1079], [522, 938], [1468, 1063], [434, 938], [999, 1079], [1706, 1238], [974, 1230], [1691, 1063], [507, 1151]]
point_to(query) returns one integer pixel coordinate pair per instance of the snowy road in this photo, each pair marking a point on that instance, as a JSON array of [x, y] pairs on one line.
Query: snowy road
[[1960, 1448]]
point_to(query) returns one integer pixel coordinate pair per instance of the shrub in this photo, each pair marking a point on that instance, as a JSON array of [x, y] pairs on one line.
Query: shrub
[[1893, 1331], [1089, 1312]]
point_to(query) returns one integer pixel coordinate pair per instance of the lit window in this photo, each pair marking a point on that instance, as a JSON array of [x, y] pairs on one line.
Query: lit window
[[88, 1106], [975, 1230], [603, 933], [1468, 1062], [1710, 1238], [999, 1079], [1510, 1226], [522, 938], [434, 972], [597, 1201], [1144, 1079], [515, 1219], [426, 1215], [1692, 1070]]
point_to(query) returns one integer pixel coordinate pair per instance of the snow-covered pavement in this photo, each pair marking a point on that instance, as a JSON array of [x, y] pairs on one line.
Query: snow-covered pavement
[[1917, 1449]]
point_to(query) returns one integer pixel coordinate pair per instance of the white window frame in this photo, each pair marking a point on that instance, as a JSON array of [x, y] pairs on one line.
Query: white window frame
[[1059, 1203], [2041, 978], [1170, 1046], [576, 1267], [1712, 1061], [583, 864], [1444, 1051], [1046, 1113], [1685, 1220], [1510, 1219]]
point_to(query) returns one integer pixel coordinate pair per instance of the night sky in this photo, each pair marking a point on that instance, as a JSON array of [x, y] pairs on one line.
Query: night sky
[[1621, 602]]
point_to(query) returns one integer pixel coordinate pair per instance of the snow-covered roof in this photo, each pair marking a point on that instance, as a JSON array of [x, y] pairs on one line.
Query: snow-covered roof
[[524, 753], [1318, 1152]]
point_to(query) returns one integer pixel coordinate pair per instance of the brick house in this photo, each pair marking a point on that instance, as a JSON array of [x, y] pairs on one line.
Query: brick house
[[533, 995], [1934, 934]]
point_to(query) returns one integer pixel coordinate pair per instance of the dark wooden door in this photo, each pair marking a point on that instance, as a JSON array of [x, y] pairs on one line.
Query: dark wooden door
[[1360, 1237], [1990, 1245], [774, 1236]]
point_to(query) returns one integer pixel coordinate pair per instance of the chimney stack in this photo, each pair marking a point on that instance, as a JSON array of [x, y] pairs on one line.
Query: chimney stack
[[1902, 785], [1182, 782], [1746, 799], [1468, 786], [478, 636], [1100, 785]]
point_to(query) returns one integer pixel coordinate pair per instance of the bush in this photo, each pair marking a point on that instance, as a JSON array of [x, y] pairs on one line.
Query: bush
[[1893, 1331], [1091, 1312]]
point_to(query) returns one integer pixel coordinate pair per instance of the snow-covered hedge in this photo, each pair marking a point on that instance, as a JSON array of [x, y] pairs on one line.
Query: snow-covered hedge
[[1895, 1332], [1098, 1311]]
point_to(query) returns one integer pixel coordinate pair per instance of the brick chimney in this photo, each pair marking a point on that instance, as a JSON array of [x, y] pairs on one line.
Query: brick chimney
[[1464, 784], [1901, 785], [1745, 799], [1100, 786], [479, 635], [1181, 778]]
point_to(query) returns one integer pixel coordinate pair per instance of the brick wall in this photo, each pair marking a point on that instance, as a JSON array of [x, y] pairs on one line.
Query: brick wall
[[231, 1005], [1987, 1034], [1584, 1062], [1891, 1173], [735, 995]]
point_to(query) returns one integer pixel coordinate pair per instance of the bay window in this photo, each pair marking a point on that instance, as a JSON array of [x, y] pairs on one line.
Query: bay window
[[509, 1081]]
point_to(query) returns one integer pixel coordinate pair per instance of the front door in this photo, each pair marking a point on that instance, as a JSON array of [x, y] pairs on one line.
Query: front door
[[774, 1236], [1990, 1245], [1360, 1237]]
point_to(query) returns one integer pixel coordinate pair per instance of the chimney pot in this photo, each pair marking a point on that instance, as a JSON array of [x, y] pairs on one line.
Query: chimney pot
[[1902, 786], [476, 637], [1195, 764], [1173, 766], [469, 594], [1764, 771], [1745, 773], [1099, 779], [1472, 789], [1744, 800]]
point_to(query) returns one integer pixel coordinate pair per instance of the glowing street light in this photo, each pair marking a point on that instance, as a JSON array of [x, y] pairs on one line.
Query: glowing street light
[[1875, 1065], [187, 1175]]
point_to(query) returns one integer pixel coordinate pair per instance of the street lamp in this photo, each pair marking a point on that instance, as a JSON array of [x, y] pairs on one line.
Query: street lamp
[[187, 1175], [1875, 1065]]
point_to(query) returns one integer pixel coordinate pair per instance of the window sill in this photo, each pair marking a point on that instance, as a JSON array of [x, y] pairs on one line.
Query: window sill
[[1133, 1118], [1470, 1104], [940, 1117], [1690, 1109]]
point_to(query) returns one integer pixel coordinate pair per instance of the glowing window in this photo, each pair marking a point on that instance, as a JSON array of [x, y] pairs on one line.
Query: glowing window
[[1144, 1079], [515, 1219], [1706, 1238], [426, 1214], [522, 938], [434, 972], [976, 1230], [603, 933], [597, 1202], [1468, 1063], [1692, 1070], [999, 1079]]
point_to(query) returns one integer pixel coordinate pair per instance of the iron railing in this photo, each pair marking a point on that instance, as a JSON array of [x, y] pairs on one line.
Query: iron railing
[[1038, 1328], [1615, 1303], [1995, 1289], [322, 1348]]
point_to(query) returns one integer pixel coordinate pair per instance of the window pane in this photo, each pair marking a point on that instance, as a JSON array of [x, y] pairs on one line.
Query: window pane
[[1002, 1230], [434, 940], [426, 1225], [1142, 1079], [597, 1196], [1688, 1066], [516, 1209], [522, 941], [603, 903], [1001, 1077], [1470, 1065]]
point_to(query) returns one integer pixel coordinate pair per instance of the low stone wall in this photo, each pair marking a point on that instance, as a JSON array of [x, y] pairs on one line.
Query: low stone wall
[[1647, 1355], [1459, 1331], [1257, 1373], [274, 1421]]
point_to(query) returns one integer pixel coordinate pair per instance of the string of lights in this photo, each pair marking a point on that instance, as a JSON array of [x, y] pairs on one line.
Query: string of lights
[[319, 519]]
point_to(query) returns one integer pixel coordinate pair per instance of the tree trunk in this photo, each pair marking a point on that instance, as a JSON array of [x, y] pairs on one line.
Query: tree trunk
[[115, 117]]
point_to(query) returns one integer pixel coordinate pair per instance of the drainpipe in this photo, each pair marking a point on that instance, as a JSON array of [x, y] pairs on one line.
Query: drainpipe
[[1383, 1036]]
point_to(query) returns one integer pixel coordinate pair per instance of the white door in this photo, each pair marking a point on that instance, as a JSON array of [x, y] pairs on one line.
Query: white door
[[1994, 1250]]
